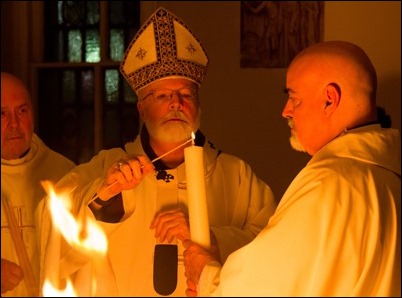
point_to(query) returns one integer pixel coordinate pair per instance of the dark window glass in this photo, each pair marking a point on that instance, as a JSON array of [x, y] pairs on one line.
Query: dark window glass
[[84, 103]]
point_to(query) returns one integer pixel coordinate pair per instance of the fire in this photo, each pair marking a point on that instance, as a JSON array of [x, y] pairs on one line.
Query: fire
[[192, 138], [50, 291], [84, 235]]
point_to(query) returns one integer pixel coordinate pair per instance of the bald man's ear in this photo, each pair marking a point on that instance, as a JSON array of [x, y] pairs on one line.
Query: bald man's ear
[[333, 94]]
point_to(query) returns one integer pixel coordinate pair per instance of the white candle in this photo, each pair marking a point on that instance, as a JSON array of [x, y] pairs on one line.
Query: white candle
[[197, 202]]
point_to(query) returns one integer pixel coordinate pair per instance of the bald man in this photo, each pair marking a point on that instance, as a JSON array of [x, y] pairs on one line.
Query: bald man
[[336, 231], [25, 161]]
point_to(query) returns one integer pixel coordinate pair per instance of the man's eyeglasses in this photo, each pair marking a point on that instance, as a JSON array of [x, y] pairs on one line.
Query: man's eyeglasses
[[164, 95]]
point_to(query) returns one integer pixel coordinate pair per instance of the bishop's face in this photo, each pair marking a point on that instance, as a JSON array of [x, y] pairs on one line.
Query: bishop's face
[[170, 109]]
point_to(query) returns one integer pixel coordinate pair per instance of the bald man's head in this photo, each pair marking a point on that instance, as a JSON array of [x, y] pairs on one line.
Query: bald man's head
[[16, 117], [338, 83]]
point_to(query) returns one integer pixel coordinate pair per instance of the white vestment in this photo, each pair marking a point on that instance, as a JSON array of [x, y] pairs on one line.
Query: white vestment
[[20, 184], [336, 231], [239, 206]]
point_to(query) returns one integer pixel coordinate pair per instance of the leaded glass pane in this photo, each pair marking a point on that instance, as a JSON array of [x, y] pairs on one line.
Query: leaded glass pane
[[69, 87], [116, 16], [70, 139], [92, 12], [112, 85], [73, 12], [87, 85], [131, 13], [92, 46], [74, 46], [129, 94], [60, 12], [116, 44]]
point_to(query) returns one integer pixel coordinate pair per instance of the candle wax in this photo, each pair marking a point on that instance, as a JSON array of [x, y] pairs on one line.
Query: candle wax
[[197, 202]]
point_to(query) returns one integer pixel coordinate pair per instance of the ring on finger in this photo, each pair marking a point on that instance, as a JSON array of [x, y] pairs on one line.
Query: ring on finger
[[119, 165]]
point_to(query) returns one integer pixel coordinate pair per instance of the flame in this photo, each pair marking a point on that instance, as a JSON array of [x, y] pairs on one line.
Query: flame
[[84, 235], [192, 137], [50, 291]]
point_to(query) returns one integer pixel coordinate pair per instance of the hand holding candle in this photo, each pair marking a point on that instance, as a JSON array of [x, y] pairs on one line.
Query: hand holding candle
[[197, 201]]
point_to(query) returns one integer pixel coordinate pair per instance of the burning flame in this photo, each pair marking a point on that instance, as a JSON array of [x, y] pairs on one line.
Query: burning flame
[[50, 291], [192, 137], [84, 235]]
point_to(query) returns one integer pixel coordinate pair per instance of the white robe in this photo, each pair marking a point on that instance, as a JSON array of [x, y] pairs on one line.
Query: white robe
[[239, 206], [20, 184], [336, 231]]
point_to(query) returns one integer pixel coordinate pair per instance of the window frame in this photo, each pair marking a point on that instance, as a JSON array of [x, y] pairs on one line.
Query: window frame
[[38, 63]]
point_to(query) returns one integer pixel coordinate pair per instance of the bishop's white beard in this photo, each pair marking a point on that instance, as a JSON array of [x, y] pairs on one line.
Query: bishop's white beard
[[173, 131]]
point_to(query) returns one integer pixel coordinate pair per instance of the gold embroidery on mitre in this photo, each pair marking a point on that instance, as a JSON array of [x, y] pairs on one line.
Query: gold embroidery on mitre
[[190, 48], [164, 46], [141, 54]]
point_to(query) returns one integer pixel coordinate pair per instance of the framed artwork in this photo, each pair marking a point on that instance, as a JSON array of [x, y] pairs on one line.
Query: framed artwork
[[273, 32]]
